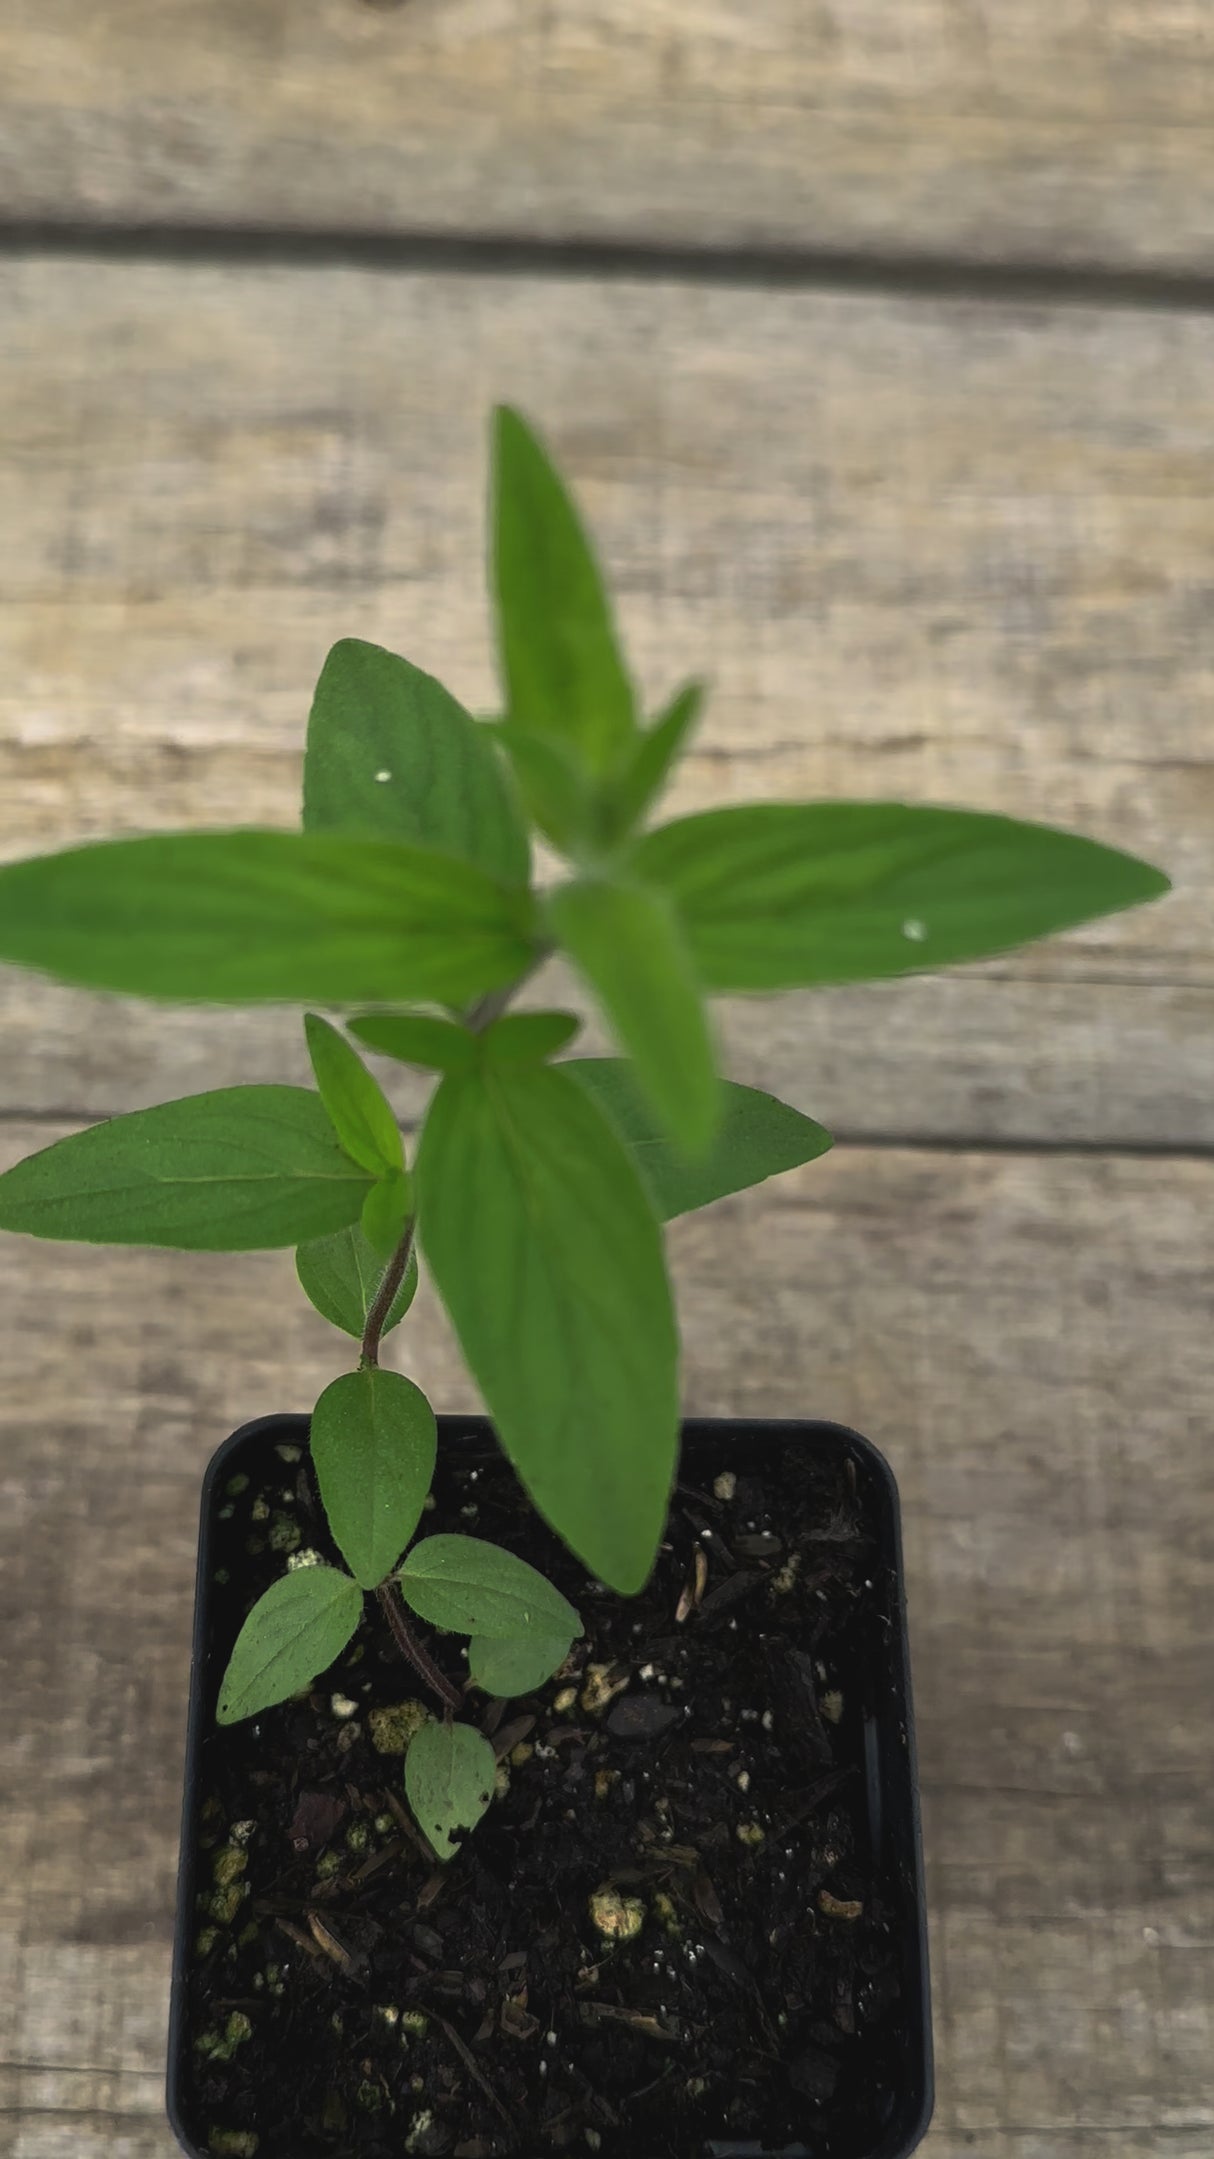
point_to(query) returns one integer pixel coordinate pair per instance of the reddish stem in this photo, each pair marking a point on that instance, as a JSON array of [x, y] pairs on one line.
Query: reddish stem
[[402, 1634], [384, 1296]]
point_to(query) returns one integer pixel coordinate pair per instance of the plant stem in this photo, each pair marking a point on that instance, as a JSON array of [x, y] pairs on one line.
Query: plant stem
[[402, 1634], [491, 1006], [488, 1008], [393, 1277]]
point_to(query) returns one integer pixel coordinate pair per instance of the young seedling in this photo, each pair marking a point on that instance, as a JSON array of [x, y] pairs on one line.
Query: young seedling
[[540, 1184], [373, 1450]]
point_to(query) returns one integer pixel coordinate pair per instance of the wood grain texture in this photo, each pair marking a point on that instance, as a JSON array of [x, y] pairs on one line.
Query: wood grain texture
[[1072, 132], [1027, 1340], [927, 550], [970, 1057]]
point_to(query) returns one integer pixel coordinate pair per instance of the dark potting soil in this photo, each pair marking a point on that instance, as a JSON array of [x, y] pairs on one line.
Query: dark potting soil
[[670, 1936]]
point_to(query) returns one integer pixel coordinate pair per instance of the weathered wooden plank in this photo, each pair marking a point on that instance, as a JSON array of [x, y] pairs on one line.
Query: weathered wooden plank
[[1050, 2142], [1073, 132], [926, 550], [95, 2133], [1027, 1339], [974, 1056]]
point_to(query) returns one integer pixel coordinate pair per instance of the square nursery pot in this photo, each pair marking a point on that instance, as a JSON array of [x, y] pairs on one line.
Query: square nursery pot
[[691, 1924]]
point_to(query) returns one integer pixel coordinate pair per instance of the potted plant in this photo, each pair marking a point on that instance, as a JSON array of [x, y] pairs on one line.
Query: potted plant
[[547, 1790]]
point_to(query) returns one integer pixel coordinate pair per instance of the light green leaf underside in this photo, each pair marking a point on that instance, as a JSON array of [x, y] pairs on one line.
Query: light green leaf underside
[[341, 1275], [759, 1137]]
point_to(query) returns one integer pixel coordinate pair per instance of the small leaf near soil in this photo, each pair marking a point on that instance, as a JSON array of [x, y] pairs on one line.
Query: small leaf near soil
[[516, 1664], [449, 1777], [293, 1633], [374, 1441], [470, 1586]]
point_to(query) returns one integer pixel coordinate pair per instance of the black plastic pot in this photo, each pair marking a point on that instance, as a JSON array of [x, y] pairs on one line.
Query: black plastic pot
[[881, 1724]]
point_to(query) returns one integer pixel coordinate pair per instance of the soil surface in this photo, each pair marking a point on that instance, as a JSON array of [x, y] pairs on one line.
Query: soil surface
[[670, 1937]]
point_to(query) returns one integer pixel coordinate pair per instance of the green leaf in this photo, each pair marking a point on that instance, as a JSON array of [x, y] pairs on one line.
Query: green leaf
[[293, 1633], [385, 1213], [759, 1137], [779, 895], [560, 659], [363, 1118], [516, 1664], [341, 1275], [415, 1039], [238, 1170], [391, 752], [546, 1250], [449, 1778], [528, 1037], [648, 769], [469, 1586], [559, 795], [627, 944], [253, 916], [373, 1444]]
